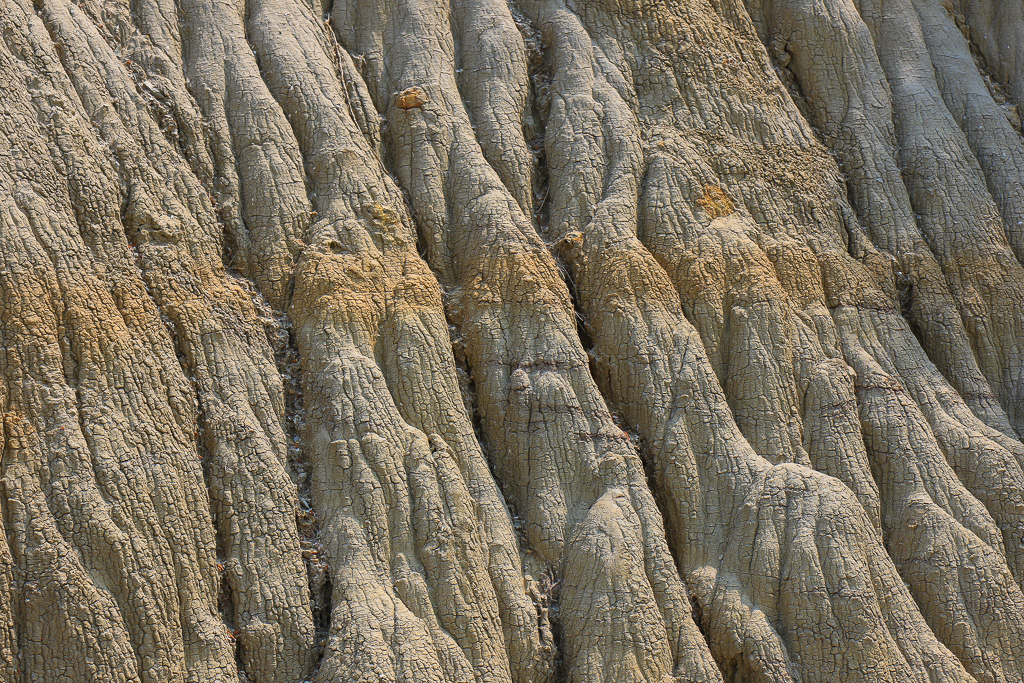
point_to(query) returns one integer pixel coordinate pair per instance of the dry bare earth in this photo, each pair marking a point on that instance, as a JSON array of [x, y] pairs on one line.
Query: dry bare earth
[[423, 341]]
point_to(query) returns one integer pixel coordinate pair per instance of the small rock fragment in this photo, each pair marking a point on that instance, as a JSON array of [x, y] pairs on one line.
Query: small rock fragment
[[411, 98]]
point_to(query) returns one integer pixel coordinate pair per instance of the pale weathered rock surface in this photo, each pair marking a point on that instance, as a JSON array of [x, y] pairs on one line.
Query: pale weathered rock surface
[[512, 342]]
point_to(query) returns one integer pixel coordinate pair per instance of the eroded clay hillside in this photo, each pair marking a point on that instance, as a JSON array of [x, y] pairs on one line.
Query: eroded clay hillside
[[434, 341]]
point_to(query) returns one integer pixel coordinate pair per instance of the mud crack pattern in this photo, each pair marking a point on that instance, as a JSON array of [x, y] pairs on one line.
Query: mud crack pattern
[[464, 341]]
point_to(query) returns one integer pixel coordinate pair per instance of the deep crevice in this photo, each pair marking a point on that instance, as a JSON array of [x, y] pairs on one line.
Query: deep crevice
[[536, 114], [229, 248], [226, 607], [289, 365], [550, 593], [535, 119], [905, 299]]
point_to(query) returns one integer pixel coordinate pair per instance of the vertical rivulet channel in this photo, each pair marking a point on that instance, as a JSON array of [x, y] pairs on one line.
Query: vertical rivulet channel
[[299, 468], [538, 104]]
